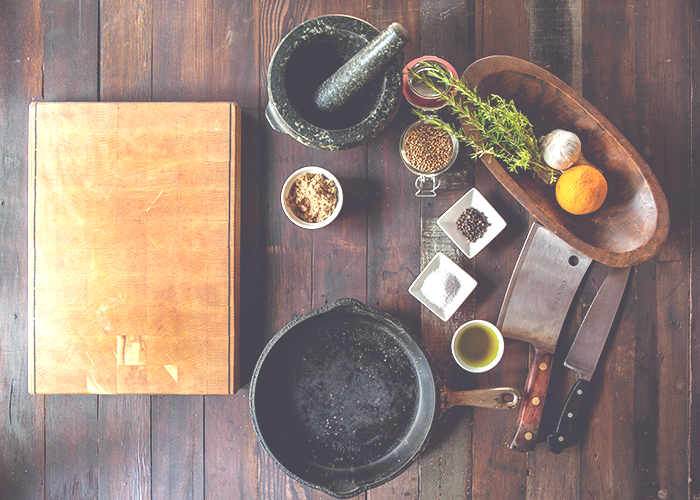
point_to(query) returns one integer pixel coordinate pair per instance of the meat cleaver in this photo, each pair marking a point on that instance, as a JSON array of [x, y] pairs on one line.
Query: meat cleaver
[[544, 282]]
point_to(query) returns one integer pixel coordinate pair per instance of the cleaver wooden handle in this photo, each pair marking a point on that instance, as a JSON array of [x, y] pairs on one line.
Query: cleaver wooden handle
[[532, 404]]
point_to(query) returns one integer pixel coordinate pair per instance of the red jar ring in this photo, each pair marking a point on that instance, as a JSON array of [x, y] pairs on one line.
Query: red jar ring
[[418, 100]]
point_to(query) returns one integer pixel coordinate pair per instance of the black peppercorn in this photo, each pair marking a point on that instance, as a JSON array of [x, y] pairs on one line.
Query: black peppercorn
[[472, 224]]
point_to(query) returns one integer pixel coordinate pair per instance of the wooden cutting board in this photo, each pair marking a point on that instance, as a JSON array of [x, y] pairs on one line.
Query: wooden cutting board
[[134, 235]]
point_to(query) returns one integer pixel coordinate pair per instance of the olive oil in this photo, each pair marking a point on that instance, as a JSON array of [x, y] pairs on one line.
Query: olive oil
[[477, 346]]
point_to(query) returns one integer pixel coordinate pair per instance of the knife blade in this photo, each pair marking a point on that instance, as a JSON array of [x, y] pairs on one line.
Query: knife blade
[[586, 350], [544, 282]]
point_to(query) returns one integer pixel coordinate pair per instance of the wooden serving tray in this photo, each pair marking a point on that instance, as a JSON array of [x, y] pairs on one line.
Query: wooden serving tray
[[134, 234], [634, 221]]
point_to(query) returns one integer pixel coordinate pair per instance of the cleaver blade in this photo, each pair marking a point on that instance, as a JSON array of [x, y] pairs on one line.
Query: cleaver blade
[[545, 279]]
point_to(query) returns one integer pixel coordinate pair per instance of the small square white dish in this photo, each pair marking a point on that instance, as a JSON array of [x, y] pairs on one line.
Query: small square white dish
[[448, 222], [442, 286]]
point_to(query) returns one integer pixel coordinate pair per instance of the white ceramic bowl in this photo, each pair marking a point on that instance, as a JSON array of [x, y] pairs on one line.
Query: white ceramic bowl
[[499, 339], [287, 187], [448, 222], [442, 286]]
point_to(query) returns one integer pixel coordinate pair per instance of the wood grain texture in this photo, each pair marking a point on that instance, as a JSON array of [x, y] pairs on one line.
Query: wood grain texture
[[393, 238], [125, 74], [694, 414], [230, 463], [446, 465], [70, 66], [554, 39], [126, 50], [528, 424], [134, 252], [632, 224], [660, 91], [500, 28], [638, 66], [124, 469], [21, 421], [72, 447], [287, 284], [177, 462], [71, 48]]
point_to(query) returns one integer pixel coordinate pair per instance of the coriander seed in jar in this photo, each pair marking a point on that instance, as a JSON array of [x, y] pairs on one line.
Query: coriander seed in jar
[[427, 151]]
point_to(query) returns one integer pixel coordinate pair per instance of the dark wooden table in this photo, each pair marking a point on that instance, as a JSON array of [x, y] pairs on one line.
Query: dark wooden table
[[633, 60]]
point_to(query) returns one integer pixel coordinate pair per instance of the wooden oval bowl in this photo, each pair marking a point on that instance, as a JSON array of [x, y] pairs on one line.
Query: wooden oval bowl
[[633, 222]]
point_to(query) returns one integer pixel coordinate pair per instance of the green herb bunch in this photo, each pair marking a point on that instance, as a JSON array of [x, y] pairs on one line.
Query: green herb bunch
[[496, 127]]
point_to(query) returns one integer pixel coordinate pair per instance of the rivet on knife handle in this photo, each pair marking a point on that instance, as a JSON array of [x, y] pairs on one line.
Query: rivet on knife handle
[[557, 442], [528, 423]]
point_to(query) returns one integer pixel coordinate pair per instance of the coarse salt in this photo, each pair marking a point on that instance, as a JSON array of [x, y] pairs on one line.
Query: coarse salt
[[441, 287]]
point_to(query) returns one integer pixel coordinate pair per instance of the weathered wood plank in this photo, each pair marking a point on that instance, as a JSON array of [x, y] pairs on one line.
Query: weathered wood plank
[[70, 50], [501, 28], [72, 447], [393, 224], [664, 121], [124, 435], [447, 31], [554, 43], [231, 465], [640, 451], [694, 414], [126, 44], [124, 425], [177, 446], [21, 421], [554, 38], [70, 74], [182, 60], [232, 453], [344, 240], [288, 249], [393, 218]]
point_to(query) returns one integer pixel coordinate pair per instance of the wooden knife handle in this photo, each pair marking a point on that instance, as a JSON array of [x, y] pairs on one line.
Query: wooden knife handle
[[557, 441], [532, 404]]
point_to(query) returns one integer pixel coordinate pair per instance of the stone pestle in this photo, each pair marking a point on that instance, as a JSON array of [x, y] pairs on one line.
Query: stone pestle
[[360, 69]]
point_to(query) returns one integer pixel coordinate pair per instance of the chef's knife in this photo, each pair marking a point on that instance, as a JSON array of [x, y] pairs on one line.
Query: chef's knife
[[586, 349], [544, 282]]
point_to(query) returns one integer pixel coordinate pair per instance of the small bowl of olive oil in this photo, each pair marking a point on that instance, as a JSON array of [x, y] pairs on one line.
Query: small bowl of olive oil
[[477, 346]]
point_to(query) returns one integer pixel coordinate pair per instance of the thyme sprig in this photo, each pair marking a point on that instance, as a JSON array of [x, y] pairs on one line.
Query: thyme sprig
[[496, 127]]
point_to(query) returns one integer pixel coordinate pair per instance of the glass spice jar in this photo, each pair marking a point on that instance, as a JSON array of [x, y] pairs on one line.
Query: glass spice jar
[[416, 92], [427, 151]]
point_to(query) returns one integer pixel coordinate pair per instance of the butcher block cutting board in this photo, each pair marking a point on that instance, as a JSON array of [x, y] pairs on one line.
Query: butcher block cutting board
[[134, 234]]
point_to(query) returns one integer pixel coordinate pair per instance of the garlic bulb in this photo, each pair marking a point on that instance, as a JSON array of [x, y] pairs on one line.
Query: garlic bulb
[[560, 149]]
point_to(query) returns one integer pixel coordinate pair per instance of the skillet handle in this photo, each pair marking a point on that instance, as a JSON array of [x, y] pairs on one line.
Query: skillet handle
[[501, 398]]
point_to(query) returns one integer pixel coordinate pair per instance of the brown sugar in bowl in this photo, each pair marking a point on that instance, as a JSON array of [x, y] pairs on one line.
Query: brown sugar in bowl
[[290, 212], [633, 222]]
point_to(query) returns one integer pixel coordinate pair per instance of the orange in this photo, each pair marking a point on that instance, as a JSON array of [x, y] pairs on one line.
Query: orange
[[581, 189]]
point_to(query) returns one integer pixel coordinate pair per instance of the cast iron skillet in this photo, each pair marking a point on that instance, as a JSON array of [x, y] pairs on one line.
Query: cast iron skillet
[[343, 398]]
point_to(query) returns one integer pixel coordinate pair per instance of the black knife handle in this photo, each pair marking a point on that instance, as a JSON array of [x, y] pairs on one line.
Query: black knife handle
[[557, 442]]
